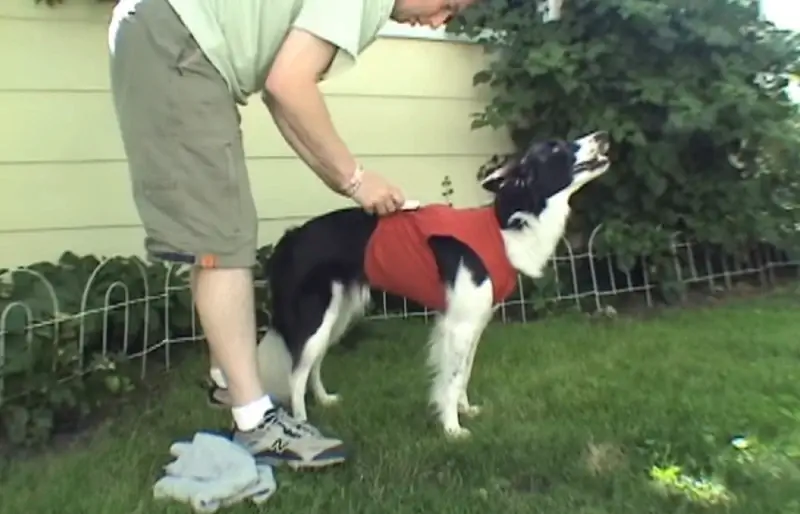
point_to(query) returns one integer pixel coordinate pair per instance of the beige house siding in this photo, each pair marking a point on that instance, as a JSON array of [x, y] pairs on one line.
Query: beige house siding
[[405, 111]]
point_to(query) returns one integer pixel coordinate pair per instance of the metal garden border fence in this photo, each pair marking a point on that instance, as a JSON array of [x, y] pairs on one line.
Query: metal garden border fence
[[578, 277]]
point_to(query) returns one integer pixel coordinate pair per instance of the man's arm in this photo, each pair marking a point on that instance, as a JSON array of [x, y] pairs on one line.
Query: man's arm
[[295, 101]]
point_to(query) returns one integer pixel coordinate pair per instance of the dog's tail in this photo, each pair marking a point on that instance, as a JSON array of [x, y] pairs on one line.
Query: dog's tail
[[275, 366]]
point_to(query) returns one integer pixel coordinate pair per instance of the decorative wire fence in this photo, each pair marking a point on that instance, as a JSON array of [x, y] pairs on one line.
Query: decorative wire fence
[[587, 280], [125, 310]]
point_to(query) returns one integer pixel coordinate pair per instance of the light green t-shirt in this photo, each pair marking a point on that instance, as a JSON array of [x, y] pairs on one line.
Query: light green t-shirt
[[242, 37]]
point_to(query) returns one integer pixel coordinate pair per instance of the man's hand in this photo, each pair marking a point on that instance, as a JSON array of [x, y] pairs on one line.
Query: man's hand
[[375, 195]]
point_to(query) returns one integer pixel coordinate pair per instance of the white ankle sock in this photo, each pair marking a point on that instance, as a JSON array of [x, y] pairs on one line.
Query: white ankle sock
[[218, 377], [247, 417]]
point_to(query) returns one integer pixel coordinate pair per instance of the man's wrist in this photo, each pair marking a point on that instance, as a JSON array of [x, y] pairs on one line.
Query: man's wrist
[[353, 182]]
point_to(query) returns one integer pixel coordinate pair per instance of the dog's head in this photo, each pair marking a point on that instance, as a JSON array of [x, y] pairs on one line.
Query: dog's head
[[547, 171]]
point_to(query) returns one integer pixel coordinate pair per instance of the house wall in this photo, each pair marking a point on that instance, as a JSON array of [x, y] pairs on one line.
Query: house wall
[[405, 111]]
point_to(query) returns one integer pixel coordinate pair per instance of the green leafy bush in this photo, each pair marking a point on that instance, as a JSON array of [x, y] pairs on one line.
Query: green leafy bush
[[263, 294], [705, 138], [57, 366]]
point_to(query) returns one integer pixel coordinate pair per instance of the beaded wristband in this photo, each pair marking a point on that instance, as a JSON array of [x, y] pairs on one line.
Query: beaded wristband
[[355, 182]]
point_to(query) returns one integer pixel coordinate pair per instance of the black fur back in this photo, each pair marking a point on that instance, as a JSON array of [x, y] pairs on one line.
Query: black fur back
[[304, 264]]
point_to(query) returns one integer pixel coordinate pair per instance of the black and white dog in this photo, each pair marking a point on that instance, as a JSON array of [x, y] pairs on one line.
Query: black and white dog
[[320, 287]]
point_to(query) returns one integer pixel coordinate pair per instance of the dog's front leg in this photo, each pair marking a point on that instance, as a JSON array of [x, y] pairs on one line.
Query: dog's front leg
[[452, 344], [468, 299], [464, 407], [449, 353]]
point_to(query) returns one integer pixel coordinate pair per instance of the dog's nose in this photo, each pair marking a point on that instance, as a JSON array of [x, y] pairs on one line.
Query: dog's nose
[[603, 140]]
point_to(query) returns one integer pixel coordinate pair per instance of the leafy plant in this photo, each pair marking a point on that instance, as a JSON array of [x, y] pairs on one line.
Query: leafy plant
[[706, 141], [263, 294], [447, 190], [67, 330]]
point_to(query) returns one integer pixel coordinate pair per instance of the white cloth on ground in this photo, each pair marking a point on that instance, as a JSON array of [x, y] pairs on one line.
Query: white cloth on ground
[[213, 472]]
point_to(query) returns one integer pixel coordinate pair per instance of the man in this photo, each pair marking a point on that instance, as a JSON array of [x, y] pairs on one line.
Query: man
[[178, 70]]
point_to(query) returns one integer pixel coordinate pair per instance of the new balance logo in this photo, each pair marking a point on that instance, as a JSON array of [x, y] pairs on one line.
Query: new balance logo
[[279, 445]]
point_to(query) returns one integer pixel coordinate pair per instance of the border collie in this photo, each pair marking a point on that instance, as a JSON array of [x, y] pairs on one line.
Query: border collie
[[460, 262]]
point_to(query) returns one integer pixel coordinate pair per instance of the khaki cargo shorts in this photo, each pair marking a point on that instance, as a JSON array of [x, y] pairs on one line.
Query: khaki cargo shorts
[[181, 131]]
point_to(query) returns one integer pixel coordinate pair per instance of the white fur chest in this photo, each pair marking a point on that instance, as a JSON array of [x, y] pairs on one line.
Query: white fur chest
[[531, 247]]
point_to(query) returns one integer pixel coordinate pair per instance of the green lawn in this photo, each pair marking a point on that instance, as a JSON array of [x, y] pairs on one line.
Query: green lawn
[[576, 413]]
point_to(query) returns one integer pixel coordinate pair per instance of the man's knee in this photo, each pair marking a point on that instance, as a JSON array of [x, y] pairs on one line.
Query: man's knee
[[244, 257]]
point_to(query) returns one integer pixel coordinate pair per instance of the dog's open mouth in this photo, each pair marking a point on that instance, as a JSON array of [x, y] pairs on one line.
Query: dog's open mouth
[[597, 165], [592, 156]]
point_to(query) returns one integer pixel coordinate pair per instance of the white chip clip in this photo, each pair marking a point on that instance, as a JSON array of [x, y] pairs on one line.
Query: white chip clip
[[551, 10]]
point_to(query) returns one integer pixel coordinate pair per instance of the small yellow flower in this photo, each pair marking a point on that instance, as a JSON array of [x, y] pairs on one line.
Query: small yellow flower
[[672, 480], [741, 443]]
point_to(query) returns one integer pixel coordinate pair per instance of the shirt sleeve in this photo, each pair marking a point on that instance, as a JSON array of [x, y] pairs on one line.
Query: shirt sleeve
[[336, 21]]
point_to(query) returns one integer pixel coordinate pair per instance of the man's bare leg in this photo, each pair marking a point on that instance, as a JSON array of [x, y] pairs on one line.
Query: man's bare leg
[[225, 306], [215, 370]]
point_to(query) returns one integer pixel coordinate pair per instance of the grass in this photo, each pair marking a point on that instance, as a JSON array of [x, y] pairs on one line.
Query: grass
[[576, 412]]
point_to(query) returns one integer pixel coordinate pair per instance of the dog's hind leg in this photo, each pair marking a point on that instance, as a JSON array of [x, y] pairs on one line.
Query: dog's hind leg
[[314, 350], [353, 307], [464, 407], [452, 344]]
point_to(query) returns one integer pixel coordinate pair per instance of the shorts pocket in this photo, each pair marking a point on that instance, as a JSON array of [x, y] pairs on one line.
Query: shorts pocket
[[200, 99], [211, 188]]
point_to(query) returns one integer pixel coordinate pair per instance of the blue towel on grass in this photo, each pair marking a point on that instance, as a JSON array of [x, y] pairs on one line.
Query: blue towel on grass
[[211, 472]]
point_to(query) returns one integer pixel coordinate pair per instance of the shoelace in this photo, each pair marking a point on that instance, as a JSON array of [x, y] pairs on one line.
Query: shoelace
[[293, 427]]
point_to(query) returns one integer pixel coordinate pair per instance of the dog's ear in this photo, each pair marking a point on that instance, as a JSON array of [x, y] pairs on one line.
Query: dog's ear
[[494, 177]]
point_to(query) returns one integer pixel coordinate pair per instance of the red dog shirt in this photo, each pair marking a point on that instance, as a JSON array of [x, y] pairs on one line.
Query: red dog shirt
[[400, 261]]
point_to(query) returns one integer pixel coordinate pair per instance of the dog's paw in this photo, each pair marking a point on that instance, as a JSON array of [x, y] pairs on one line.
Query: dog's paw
[[457, 433], [469, 411], [329, 400]]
